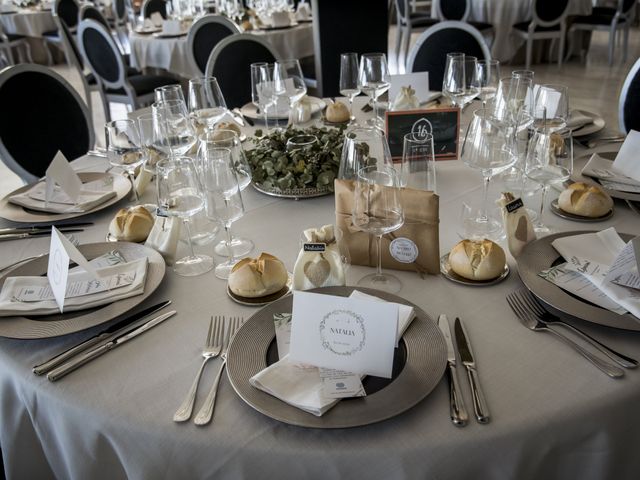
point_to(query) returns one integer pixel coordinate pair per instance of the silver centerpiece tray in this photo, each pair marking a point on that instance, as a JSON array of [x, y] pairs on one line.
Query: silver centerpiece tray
[[294, 193], [540, 255], [418, 367]]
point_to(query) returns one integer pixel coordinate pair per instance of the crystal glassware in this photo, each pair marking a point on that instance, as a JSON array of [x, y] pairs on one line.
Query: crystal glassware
[[349, 79], [373, 80], [176, 135], [488, 80], [169, 92], [263, 94], [418, 162], [460, 83], [553, 100], [206, 102], [289, 83], [124, 148], [363, 147]]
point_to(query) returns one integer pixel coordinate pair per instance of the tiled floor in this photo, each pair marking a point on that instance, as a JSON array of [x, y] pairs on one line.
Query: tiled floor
[[594, 86]]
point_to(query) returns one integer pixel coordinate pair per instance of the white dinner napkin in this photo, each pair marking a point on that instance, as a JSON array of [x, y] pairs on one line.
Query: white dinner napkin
[[406, 314], [600, 249], [135, 272], [603, 169], [280, 19], [303, 12], [626, 161], [92, 194], [577, 119]]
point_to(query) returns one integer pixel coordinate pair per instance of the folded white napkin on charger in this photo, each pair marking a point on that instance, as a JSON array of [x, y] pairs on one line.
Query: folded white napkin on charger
[[605, 170], [577, 119]]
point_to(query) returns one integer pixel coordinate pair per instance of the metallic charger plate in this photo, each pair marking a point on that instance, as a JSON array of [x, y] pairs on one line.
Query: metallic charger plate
[[598, 124], [426, 358], [578, 218], [540, 255]]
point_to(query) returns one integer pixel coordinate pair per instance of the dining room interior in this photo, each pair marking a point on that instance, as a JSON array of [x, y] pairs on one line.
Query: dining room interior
[[340, 226]]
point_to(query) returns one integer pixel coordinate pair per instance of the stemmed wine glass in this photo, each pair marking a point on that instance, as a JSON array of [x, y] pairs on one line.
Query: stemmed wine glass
[[124, 148], [224, 200], [206, 102], [263, 94], [377, 210], [176, 135], [488, 80], [168, 92], [553, 101], [180, 195], [289, 83], [460, 82], [418, 162], [373, 78], [363, 147], [349, 79]]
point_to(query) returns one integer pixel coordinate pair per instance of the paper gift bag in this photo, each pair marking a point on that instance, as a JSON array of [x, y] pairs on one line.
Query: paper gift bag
[[415, 246]]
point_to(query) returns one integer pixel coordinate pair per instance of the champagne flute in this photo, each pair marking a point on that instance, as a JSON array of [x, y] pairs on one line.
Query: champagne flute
[[377, 210], [289, 83], [180, 195], [373, 78], [488, 79], [349, 79], [176, 134], [124, 149], [460, 82], [206, 102], [263, 93]]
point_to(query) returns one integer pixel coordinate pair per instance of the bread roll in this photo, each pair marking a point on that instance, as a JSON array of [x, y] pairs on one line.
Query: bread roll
[[227, 126], [258, 277], [337, 112], [477, 260], [585, 200], [131, 224]]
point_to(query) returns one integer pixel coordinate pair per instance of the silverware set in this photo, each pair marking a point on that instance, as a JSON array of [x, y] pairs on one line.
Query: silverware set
[[533, 316], [14, 233], [217, 344]]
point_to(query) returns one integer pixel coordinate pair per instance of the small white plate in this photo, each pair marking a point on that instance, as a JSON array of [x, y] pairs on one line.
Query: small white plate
[[449, 274]]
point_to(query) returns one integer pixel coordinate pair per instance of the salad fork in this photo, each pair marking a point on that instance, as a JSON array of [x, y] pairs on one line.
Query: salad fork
[[212, 348], [206, 411], [532, 322], [548, 318]]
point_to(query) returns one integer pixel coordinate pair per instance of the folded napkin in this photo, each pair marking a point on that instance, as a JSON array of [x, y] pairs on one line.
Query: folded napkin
[[33, 296], [577, 119], [406, 313], [92, 194], [303, 12], [280, 19], [605, 170], [626, 161]]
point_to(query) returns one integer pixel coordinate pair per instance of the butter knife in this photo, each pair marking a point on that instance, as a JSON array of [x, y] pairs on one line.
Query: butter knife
[[466, 356], [89, 355], [114, 329], [457, 409]]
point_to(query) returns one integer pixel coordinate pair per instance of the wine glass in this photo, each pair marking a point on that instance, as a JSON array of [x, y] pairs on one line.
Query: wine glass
[[176, 134], [124, 149], [373, 78], [363, 147], [206, 102], [263, 93], [228, 139], [460, 82], [553, 101], [289, 82], [511, 104], [488, 148], [549, 161], [180, 195], [488, 79], [377, 210], [349, 79], [418, 162], [224, 200], [168, 92]]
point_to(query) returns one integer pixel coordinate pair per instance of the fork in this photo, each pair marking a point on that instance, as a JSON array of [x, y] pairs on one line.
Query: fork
[[206, 411], [532, 322], [548, 318], [212, 349]]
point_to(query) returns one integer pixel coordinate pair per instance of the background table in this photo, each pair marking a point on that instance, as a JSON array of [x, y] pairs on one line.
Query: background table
[[553, 414], [32, 24]]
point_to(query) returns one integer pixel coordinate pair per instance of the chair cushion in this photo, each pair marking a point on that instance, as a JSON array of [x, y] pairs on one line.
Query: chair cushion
[[91, 79], [143, 84], [51, 34], [422, 21], [524, 26], [595, 19], [481, 25], [13, 37]]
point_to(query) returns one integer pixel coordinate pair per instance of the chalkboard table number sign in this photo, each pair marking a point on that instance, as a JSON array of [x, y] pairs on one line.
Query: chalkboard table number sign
[[443, 123]]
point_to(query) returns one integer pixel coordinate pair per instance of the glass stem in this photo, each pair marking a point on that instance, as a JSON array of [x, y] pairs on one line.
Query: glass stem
[[485, 198], [351, 118], [227, 231], [379, 266], [266, 119], [375, 109], [185, 221], [542, 199], [132, 179]]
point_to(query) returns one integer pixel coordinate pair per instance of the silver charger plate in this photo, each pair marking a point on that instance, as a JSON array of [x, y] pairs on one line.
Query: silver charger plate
[[48, 326], [449, 274], [579, 164], [294, 193], [251, 111], [598, 124], [262, 301], [426, 359], [16, 213], [555, 208], [540, 255]]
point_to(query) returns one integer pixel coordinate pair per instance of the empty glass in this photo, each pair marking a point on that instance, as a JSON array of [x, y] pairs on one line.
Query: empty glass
[[512, 103], [124, 148], [263, 94], [553, 102], [418, 162], [488, 80], [206, 102], [460, 82], [169, 92], [349, 79], [289, 82], [363, 147], [176, 135], [374, 80]]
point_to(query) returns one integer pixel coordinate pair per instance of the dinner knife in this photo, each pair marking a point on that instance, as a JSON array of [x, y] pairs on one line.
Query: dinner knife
[[89, 355], [457, 409], [47, 227], [466, 356], [37, 233], [116, 328]]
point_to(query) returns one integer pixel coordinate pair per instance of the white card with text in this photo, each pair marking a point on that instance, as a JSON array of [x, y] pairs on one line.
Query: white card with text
[[61, 251], [347, 334], [60, 173], [419, 81]]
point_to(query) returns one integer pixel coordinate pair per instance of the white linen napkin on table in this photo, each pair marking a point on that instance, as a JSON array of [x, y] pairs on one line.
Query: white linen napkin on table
[[603, 169], [577, 119]]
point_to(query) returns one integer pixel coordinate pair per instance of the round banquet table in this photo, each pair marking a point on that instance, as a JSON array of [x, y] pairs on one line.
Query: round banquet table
[[31, 23], [553, 414], [171, 53]]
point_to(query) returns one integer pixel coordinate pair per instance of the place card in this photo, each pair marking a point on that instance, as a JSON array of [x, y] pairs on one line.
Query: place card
[[341, 384], [626, 161], [346, 334], [419, 81], [442, 123], [61, 174]]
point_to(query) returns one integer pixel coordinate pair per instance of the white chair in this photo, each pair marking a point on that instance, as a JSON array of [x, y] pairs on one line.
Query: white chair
[[408, 22], [68, 11], [629, 106], [204, 35], [9, 41], [460, 10], [549, 23]]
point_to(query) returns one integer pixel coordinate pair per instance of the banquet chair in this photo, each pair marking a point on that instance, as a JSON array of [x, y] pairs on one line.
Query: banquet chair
[[9, 41], [230, 63], [608, 19], [629, 107], [89, 12], [153, 6], [124, 19], [63, 121], [204, 35], [118, 84], [67, 11], [549, 23], [429, 54], [408, 22], [460, 10]]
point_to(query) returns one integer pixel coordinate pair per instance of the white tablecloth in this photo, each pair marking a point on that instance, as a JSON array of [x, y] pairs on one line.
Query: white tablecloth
[[171, 53], [28, 22], [554, 415]]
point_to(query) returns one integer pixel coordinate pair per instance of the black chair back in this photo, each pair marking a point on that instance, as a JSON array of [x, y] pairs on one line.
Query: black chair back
[[205, 34], [339, 26], [629, 108], [120, 9], [152, 6], [101, 54], [453, 9], [68, 11], [89, 12], [429, 54], [550, 11], [70, 47], [627, 5], [402, 7], [29, 91], [230, 63]]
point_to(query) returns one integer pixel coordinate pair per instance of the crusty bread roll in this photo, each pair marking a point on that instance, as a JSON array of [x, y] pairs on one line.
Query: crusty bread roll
[[477, 259], [585, 200], [131, 224], [337, 112], [258, 277], [227, 126]]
